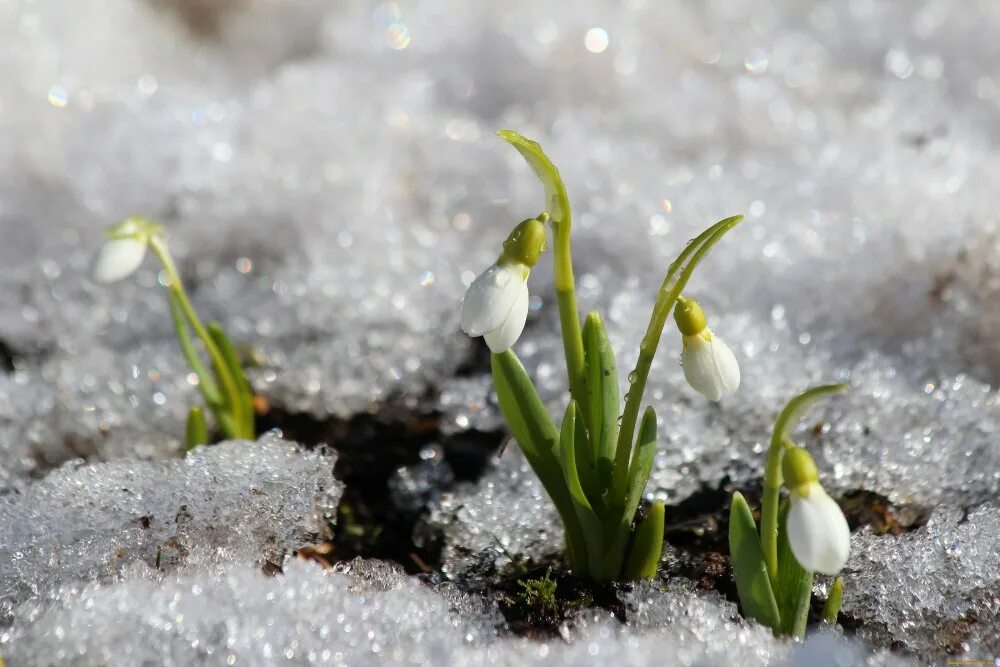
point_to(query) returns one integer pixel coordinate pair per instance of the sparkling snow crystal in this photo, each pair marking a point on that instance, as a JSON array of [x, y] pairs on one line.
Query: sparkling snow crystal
[[248, 502]]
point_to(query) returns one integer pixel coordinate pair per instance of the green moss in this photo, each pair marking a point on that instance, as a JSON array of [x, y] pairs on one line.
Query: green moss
[[539, 594]]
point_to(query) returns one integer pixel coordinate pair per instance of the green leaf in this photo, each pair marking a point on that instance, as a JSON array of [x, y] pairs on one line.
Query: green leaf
[[752, 582], [567, 451], [209, 389], [196, 432], [642, 465], [603, 401], [538, 437], [590, 524], [556, 201], [624, 503], [832, 606], [644, 556], [243, 401], [524, 411], [794, 583], [586, 466]]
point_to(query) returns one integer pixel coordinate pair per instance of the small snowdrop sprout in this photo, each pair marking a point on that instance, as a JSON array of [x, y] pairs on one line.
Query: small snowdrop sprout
[[710, 367], [225, 388], [800, 536], [496, 303], [596, 462], [817, 529]]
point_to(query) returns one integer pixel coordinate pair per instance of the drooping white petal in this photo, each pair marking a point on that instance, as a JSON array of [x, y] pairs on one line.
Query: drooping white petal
[[818, 532], [118, 259], [502, 338], [710, 366], [490, 297]]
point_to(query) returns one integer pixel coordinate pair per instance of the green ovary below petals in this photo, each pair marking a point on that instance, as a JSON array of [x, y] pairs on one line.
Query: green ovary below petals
[[689, 316], [799, 469], [526, 243]]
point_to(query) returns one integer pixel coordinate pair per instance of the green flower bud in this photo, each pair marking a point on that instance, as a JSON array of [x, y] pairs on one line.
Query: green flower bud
[[526, 243]]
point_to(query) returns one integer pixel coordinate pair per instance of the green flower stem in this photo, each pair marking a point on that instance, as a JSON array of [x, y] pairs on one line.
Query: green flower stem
[[770, 501], [569, 318], [675, 281], [229, 386], [569, 313], [832, 607]]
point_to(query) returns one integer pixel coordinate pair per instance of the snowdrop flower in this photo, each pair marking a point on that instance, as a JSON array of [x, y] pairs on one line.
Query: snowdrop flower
[[709, 365], [124, 249], [496, 303], [817, 530]]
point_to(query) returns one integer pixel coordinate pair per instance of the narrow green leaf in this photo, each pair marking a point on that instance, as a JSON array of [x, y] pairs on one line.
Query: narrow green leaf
[[831, 609], [196, 432], [644, 556], [244, 415], [752, 582], [602, 388], [567, 451], [524, 411], [586, 466], [538, 437], [794, 584], [590, 524], [642, 465], [209, 389]]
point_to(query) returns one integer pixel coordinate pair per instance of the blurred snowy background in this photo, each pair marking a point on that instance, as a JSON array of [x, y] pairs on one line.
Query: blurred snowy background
[[330, 182]]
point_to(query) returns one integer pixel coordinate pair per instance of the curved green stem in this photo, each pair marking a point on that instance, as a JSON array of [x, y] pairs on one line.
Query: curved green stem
[[675, 281], [229, 386]]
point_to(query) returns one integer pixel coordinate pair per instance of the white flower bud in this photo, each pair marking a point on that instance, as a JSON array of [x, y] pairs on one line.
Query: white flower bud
[[817, 530], [709, 365], [118, 258], [496, 305]]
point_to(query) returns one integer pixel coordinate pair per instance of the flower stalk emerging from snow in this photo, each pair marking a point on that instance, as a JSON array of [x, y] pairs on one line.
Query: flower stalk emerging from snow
[[803, 535], [596, 463], [225, 389]]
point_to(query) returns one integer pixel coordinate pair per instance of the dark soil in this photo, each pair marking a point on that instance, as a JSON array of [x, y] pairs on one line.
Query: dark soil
[[371, 448]]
